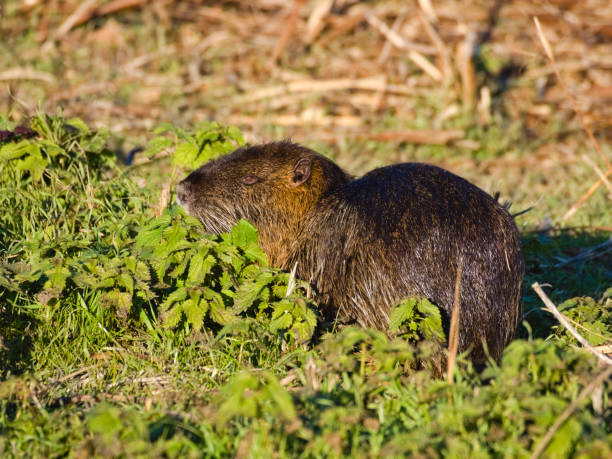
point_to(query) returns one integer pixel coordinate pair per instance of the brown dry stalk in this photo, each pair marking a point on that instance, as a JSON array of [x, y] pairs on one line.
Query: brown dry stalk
[[421, 136], [396, 39], [598, 171], [117, 5], [287, 31], [164, 199], [585, 196], [316, 22], [561, 318], [84, 10], [375, 83], [453, 334], [597, 382], [26, 74], [463, 58], [434, 37], [84, 13]]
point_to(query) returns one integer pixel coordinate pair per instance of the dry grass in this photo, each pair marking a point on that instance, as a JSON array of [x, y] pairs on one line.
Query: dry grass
[[364, 81]]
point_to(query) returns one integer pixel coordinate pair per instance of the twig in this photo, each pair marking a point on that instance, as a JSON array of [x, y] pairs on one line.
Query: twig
[[387, 47], [85, 12], [164, 199], [291, 284], [416, 57], [421, 136], [464, 59], [551, 58], [601, 377], [453, 335], [117, 5], [396, 39], [598, 171], [287, 31], [570, 213], [429, 11], [434, 37], [80, 15], [375, 83], [427, 67], [588, 253], [561, 318], [74, 374], [26, 74], [315, 21]]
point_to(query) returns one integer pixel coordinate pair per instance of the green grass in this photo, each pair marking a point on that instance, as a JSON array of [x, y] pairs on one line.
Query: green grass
[[117, 337]]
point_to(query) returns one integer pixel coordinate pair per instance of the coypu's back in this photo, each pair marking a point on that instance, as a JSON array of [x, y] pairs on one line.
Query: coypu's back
[[399, 231]]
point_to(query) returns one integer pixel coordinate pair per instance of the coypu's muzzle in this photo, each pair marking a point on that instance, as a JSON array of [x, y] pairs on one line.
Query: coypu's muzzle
[[182, 195]]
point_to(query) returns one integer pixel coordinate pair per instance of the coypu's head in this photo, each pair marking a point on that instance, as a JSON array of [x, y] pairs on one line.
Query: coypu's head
[[274, 186]]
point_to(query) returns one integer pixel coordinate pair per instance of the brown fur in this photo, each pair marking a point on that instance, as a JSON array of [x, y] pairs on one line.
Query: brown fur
[[367, 243]]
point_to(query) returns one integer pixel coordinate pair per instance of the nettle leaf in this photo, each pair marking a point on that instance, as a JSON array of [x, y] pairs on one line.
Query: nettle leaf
[[243, 234], [403, 312], [164, 127], [79, 124], [199, 266], [158, 144], [183, 260], [186, 155], [564, 440], [17, 150], [282, 319], [34, 163], [173, 236], [219, 313], [57, 277], [234, 134], [152, 234], [115, 298], [50, 148], [141, 271], [195, 311], [248, 396], [127, 281], [431, 323], [248, 291], [84, 280], [177, 295]]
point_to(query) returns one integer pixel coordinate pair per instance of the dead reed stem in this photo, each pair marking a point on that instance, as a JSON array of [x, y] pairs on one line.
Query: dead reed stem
[[597, 382], [453, 334], [561, 318]]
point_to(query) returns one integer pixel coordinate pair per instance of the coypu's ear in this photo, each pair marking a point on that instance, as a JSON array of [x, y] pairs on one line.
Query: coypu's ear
[[301, 171]]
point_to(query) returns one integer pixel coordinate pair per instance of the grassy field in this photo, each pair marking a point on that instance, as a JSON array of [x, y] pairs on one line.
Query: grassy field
[[127, 331]]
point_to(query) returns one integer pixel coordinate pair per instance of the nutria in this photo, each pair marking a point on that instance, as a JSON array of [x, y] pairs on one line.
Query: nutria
[[365, 244]]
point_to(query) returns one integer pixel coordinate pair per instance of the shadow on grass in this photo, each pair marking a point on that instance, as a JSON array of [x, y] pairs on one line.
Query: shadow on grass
[[562, 261], [16, 332]]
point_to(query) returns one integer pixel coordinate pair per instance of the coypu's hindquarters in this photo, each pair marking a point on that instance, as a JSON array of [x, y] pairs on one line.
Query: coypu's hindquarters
[[401, 231]]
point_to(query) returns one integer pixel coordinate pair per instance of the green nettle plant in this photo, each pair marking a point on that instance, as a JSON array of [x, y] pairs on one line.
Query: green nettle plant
[[126, 330], [111, 245]]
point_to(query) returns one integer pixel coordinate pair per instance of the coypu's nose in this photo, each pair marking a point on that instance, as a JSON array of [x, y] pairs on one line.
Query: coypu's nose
[[181, 194]]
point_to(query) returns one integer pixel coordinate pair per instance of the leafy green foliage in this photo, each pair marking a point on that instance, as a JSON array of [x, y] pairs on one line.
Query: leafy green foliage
[[417, 319], [128, 333], [209, 141], [593, 321]]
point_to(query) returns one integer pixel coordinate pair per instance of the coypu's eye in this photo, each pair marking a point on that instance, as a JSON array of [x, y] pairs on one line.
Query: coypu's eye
[[249, 179]]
